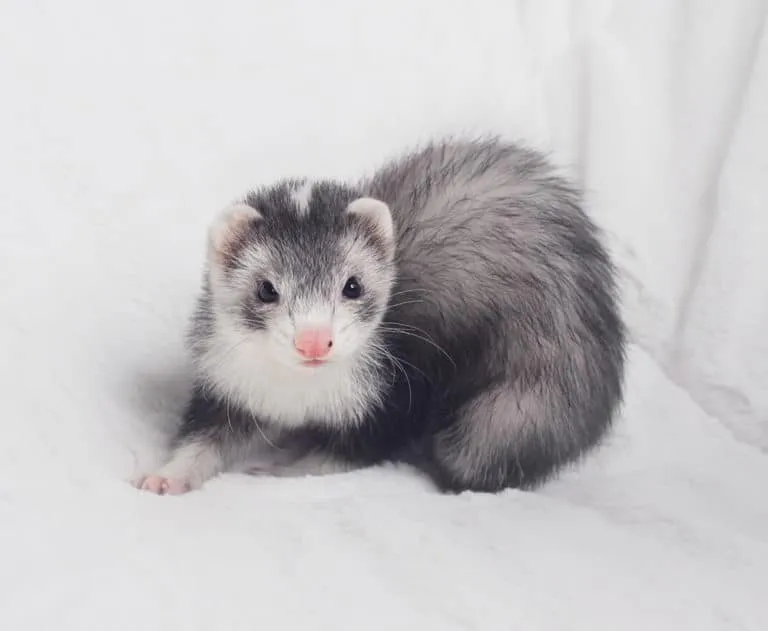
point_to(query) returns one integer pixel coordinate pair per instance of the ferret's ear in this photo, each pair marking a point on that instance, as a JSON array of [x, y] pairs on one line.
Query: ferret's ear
[[376, 213], [227, 230]]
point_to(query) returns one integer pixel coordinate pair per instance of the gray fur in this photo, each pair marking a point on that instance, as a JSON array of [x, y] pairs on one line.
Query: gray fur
[[487, 348]]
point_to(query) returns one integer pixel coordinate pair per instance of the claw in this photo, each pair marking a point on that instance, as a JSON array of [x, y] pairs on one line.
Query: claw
[[164, 486]]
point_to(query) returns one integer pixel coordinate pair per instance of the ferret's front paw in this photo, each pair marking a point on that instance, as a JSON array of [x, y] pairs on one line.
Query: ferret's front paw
[[163, 486]]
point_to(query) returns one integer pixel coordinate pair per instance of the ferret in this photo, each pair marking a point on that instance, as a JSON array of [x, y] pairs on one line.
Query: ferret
[[457, 311]]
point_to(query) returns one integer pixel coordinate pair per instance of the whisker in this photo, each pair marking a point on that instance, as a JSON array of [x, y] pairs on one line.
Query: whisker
[[401, 325], [223, 356], [229, 419], [423, 338], [409, 291], [384, 350], [258, 425], [396, 363], [406, 302], [416, 368], [264, 436]]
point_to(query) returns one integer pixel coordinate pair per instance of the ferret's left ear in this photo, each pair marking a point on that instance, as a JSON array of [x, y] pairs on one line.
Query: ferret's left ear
[[226, 230], [377, 214]]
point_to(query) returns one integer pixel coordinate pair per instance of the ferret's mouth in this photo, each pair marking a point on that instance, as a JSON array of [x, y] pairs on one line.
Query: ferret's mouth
[[313, 363]]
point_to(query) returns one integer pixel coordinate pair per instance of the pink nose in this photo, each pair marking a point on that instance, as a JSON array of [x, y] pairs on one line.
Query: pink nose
[[313, 343]]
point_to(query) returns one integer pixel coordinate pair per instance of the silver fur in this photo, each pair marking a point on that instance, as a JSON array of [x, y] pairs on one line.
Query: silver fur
[[487, 348]]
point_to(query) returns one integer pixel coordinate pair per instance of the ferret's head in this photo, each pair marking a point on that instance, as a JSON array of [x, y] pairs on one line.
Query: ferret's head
[[305, 270]]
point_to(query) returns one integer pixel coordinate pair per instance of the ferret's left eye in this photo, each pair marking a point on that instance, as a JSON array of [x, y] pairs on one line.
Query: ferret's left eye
[[352, 288], [267, 292]]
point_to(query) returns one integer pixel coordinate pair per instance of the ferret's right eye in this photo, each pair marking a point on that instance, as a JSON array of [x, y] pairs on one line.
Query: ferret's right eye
[[267, 292]]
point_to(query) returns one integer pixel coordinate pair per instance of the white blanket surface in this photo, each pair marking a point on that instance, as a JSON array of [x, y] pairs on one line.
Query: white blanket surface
[[125, 126]]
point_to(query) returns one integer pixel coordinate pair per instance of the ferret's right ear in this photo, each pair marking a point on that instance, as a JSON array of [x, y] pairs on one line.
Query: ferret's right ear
[[377, 214], [225, 235]]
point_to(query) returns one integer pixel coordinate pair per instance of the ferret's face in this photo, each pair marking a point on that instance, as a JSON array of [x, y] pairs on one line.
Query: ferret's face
[[307, 270]]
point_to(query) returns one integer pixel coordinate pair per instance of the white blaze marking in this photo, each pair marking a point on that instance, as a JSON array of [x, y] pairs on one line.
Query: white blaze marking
[[301, 197]]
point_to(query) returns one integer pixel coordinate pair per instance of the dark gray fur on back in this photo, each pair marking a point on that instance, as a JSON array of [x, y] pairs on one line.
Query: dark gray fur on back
[[498, 355], [508, 275]]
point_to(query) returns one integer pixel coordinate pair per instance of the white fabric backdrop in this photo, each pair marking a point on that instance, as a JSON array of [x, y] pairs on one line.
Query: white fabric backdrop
[[123, 127]]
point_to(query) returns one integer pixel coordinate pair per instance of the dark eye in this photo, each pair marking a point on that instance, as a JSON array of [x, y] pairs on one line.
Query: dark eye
[[352, 289], [267, 292]]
